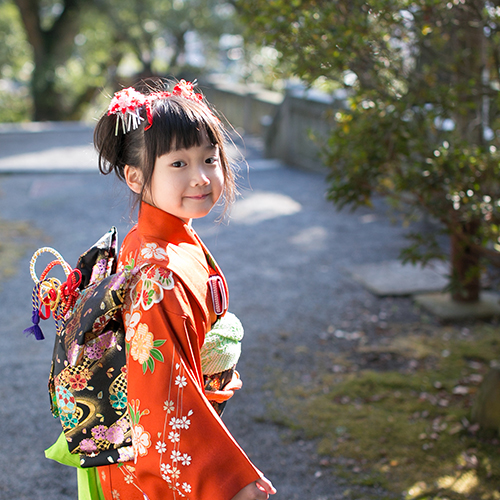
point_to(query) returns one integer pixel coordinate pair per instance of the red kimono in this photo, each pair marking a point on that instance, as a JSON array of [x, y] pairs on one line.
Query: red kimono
[[182, 448]]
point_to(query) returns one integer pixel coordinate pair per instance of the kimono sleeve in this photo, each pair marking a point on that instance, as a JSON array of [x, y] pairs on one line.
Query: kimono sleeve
[[182, 448]]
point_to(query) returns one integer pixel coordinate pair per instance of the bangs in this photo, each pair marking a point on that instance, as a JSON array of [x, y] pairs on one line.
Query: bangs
[[181, 124]]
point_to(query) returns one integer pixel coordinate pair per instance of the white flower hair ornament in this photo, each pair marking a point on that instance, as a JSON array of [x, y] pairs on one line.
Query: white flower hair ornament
[[126, 104]]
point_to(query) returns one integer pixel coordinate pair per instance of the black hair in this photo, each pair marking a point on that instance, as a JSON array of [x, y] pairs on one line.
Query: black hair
[[177, 123]]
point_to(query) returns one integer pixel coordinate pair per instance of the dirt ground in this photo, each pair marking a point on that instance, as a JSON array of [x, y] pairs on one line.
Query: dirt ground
[[284, 252]]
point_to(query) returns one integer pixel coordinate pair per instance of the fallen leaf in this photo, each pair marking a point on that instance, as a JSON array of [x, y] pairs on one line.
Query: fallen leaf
[[455, 429]]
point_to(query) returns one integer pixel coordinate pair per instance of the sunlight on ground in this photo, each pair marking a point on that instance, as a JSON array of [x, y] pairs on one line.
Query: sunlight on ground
[[260, 206], [74, 157], [463, 484], [311, 238]]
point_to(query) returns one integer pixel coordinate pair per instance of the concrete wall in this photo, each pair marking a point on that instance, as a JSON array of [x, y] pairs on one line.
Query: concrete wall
[[287, 122], [299, 128], [246, 107]]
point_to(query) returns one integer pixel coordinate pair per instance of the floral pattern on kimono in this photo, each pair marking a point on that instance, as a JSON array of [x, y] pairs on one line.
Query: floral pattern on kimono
[[182, 448]]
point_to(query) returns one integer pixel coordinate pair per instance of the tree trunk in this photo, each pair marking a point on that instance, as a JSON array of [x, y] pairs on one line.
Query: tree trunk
[[46, 100], [486, 409], [465, 265], [468, 47], [52, 48]]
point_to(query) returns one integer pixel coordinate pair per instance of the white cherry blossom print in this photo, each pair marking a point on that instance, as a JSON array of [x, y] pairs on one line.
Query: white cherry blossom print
[[181, 381], [169, 406], [149, 288], [179, 422], [131, 320], [174, 437], [153, 251], [183, 423], [166, 468], [141, 440], [161, 447]]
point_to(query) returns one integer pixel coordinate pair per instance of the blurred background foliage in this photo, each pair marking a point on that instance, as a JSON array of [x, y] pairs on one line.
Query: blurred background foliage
[[421, 123], [57, 58], [16, 66], [419, 79]]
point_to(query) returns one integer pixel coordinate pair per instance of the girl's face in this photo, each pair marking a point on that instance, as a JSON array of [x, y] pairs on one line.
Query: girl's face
[[186, 182]]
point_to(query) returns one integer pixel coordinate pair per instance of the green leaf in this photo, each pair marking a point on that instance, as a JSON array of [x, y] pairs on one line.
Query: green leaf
[[133, 415], [158, 343], [151, 364], [156, 354]]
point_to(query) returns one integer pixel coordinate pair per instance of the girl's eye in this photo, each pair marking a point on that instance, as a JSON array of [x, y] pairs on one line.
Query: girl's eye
[[211, 160], [178, 164]]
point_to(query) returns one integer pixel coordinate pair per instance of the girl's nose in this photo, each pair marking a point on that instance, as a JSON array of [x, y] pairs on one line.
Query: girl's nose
[[200, 177]]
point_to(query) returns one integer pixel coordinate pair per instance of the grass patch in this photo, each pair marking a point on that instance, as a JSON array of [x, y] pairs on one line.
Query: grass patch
[[406, 428]]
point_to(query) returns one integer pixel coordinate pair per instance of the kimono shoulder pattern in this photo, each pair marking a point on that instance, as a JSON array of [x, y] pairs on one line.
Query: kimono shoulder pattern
[[182, 448]]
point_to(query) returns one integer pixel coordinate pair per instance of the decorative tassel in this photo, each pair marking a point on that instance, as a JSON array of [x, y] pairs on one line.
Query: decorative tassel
[[34, 330]]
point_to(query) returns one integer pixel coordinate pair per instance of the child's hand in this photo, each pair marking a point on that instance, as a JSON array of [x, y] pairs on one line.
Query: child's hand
[[227, 392], [258, 490]]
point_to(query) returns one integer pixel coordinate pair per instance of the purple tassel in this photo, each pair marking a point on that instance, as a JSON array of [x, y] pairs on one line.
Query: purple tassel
[[34, 330]]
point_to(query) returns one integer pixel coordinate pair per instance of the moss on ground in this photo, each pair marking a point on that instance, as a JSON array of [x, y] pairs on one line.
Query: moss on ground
[[405, 428]]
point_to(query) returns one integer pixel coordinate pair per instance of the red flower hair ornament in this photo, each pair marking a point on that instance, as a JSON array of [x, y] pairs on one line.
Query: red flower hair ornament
[[126, 104]]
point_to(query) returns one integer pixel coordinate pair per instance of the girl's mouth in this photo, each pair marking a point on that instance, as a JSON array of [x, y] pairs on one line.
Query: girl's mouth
[[198, 196]]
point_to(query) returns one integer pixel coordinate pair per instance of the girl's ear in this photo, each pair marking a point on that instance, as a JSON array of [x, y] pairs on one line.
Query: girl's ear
[[133, 178]]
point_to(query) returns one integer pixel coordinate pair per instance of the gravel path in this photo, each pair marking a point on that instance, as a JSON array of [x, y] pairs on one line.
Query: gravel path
[[283, 253]]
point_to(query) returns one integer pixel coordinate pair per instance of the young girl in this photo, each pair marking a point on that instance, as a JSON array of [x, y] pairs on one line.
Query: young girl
[[169, 149]]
